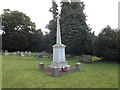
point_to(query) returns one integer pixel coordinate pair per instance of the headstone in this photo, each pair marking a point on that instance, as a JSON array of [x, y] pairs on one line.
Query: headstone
[[39, 55], [26, 53], [6, 52], [44, 53], [29, 54], [22, 54], [87, 58], [18, 53]]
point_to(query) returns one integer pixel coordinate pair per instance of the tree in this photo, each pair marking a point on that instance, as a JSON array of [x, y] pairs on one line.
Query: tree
[[118, 45], [106, 44], [46, 43], [75, 32], [15, 21], [17, 28], [36, 41]]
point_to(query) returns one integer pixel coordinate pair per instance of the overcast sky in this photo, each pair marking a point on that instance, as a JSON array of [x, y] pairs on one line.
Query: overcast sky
[[100, 13]]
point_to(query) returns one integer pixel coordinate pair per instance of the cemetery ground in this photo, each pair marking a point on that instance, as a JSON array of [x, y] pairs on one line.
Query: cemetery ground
[[23, 72]]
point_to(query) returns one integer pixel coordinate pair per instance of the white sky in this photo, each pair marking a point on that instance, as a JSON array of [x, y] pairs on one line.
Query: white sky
[[100, 13]]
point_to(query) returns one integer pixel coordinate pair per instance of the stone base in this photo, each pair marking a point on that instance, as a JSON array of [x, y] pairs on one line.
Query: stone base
[[59, 65]]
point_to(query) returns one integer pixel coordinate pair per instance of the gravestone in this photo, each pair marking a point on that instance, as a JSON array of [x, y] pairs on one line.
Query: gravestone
[[22, 54], [18, 53], [39, 55], [29, 54], [6, 52], [26, 53], [87, 58], [44, 53]]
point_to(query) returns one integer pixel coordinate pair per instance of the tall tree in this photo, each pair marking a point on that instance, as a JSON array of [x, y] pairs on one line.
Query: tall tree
[[46, 43], [75, 32], [17, 29], [15, 21], [36, 41], [118, 45], [106, 44]]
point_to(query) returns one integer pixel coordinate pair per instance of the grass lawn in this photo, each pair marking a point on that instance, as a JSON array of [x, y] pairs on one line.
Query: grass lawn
[[0, 72], [23, 72]]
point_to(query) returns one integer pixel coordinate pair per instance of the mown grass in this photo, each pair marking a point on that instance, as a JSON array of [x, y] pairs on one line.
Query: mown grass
[[0, 72], [23, 72]]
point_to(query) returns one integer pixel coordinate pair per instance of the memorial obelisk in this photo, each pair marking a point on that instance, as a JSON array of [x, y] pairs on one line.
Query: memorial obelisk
[[59, 59]]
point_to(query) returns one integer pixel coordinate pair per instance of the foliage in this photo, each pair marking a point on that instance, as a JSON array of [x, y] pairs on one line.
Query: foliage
[[19, 31], [94, 58], [118, 45], [75, 32], [46, 43], [15, 21], [36, 41], [106, 44]]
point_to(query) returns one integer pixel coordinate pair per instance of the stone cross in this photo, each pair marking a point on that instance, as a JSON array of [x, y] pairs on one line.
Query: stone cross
[[59, 59]]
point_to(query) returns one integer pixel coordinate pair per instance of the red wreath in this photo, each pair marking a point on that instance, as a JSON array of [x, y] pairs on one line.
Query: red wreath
[[63, 69]]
